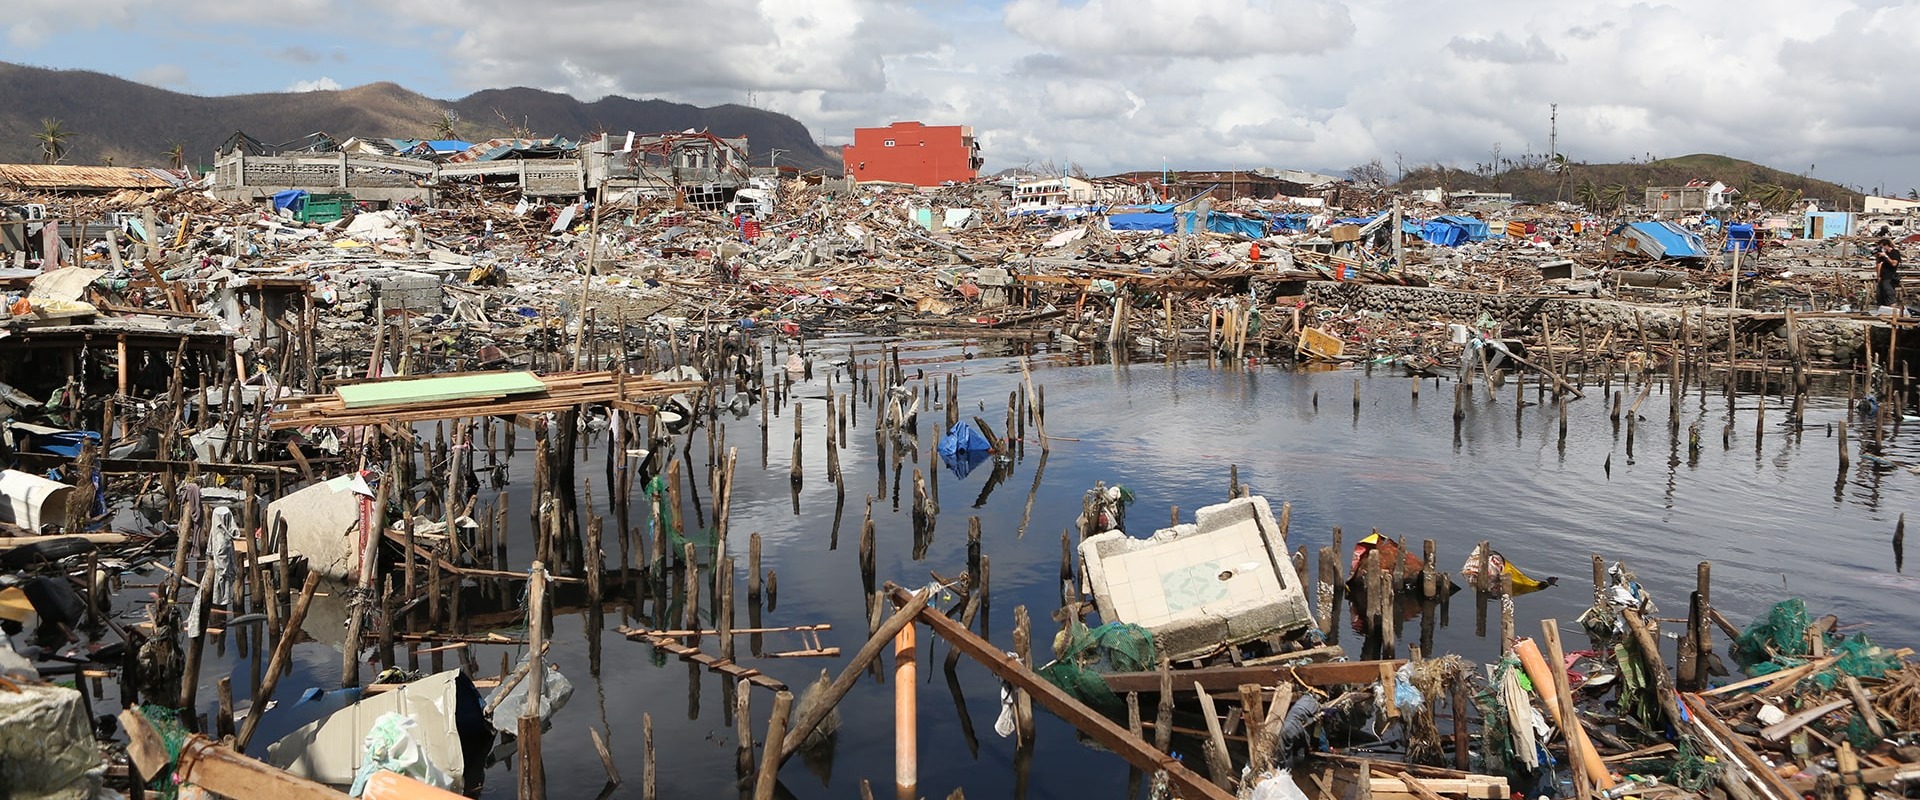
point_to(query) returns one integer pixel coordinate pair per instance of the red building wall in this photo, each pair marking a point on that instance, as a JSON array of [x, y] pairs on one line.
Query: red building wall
[[909, 152]]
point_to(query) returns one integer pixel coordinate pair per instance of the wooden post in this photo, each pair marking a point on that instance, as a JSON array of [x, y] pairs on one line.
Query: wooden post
[[278, 664], [843, 682], [1219, 763], [190, 675], [650, 775], [1569, 716], [743, 729], [776, 732], [532, 773], [1022, 704]]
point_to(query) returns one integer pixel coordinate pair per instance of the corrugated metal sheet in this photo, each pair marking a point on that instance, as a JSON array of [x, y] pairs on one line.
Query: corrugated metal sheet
[[67, 176]]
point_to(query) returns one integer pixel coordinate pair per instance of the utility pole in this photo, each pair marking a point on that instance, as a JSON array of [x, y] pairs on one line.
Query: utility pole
[[1399, 241], [1553, 131]]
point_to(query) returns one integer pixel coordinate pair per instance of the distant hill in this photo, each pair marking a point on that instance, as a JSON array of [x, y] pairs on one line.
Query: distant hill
[[134, 124], [1537, 184]]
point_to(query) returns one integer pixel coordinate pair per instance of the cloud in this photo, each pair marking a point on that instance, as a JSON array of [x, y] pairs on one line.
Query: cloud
[[170, 76], [1124, 84], [1217, 29], [31, 25], [321, 84], [1501, 49], [298, 54]]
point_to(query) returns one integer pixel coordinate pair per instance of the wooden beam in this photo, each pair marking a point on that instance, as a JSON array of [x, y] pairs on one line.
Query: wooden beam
[[215, 767], [1226, 678], [1096, 726]]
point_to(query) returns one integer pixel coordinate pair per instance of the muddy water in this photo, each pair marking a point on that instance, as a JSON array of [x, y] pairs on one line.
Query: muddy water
[[1774, 515]]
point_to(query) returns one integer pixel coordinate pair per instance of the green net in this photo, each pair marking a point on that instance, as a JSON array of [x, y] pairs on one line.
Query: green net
[[1782, 639], [166, 722], [656, 490], [1782, 631], [1859, 734], [1690, 770], [1116, 646]]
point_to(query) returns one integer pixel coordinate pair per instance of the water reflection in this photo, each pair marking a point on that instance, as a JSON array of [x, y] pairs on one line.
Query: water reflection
[[1781, 518]]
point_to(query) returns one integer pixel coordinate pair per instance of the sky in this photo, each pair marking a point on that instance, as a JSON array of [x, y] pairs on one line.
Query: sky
[[1109, 85]]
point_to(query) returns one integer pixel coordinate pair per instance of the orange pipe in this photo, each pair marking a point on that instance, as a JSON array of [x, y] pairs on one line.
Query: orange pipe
[[390, 785], [906, 717], [1545, 684]]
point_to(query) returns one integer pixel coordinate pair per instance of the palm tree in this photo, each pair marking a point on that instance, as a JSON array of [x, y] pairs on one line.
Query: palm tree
[[1774, 197], [443, 127], [1614, 197], [53, 140], [177, 156], [1588, 194]]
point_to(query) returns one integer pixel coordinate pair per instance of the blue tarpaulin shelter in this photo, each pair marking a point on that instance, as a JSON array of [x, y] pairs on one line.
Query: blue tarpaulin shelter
[[1661, 240], [1290, 222], [1453, 230], [1740, 237], [964, 447], [1169, 222], [291, 199], [1144, 221], [59, 443], [1236, 225]]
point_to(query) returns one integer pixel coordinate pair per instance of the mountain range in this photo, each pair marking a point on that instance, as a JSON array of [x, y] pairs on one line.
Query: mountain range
[[118, 121]]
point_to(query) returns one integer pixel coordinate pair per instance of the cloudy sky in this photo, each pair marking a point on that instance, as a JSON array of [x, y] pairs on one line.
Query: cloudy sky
[[1108, 84]]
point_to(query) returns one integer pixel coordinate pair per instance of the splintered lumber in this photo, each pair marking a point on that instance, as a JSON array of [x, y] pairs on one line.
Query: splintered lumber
[[694, 655], [1229, 678], [912, 603], [1487, 787], [1724, 744], [556, 392], [224, 771], [1090, 722]]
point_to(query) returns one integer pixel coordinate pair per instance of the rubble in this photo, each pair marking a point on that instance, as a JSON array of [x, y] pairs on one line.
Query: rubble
[[179, 360]]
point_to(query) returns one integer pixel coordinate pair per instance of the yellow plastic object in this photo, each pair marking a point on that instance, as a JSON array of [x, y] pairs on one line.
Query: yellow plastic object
[[14, 605]]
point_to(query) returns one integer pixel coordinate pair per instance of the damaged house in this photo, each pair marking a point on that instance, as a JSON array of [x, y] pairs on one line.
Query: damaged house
[[706, 169]]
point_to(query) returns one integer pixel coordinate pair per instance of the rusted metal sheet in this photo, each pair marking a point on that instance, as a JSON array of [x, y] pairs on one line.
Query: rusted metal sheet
[[1090, 722]]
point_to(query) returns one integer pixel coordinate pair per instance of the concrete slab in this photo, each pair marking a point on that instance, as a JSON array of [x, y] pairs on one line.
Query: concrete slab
[[1223, 579]]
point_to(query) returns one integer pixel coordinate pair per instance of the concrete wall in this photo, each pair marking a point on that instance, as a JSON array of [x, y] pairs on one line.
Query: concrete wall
[[1826, 339]]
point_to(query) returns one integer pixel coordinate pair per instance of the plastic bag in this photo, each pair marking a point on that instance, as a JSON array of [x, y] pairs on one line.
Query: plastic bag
[[557, 692], [391, 744]]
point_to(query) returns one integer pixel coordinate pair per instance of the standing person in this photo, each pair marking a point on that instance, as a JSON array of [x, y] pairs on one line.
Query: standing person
[[1886, 263]]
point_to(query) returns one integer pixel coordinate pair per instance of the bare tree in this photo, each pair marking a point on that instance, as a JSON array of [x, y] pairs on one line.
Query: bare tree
[[1372, 173]]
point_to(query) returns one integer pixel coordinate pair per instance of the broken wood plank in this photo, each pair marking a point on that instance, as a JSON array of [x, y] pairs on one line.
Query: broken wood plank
[[1230, 678], [1096, 726]]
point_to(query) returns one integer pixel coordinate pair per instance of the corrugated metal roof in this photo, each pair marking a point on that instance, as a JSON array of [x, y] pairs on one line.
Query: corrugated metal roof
[[67, 176]]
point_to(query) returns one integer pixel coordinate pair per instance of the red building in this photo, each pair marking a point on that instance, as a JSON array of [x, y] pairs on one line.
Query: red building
[[909, 152]]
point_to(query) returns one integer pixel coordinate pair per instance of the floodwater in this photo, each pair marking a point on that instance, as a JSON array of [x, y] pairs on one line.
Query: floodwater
[[1774, 514]]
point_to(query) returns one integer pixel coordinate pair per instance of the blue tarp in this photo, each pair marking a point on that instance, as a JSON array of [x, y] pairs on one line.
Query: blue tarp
[[1453, 230], [1290, 222], [1443, 233], [63, 443], [291, 199], [1167, 222], [1150, 221], [1663, 240], [1477, 230], [964, 447], [1740, 237], [1237, 226]]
